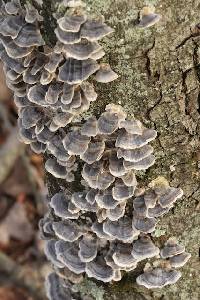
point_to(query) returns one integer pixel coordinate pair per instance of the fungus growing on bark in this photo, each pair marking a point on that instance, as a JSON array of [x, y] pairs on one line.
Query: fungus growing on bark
[[93, 230], [171, 249], [148, 17], [144, 248], [105, 74], [158, 278]]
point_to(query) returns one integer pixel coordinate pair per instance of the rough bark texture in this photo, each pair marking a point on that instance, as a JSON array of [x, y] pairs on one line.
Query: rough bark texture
[[159, 79]]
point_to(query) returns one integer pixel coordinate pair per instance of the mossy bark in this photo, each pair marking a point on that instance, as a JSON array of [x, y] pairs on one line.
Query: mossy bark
[[159, 75]]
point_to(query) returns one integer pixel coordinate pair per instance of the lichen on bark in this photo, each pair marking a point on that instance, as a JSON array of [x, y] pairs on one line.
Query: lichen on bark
[[159, 83]]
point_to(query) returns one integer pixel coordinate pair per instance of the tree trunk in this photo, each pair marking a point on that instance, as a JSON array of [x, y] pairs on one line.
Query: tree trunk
[[158, 82]]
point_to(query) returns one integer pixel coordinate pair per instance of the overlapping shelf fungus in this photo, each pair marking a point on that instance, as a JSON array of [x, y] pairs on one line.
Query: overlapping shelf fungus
[[103, 230]]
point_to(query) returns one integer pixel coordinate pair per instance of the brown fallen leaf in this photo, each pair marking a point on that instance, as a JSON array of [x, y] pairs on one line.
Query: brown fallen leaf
[[17, 182], [16, 225], [13, 293]]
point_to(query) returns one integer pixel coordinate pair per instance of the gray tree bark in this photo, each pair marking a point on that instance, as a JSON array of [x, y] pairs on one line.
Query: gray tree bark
[[159, 75]]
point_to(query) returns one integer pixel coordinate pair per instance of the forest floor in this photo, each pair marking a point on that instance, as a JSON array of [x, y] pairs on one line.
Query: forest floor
[[23, 266]]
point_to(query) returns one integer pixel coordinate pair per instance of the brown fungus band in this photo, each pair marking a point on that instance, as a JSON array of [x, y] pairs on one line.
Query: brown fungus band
[[105, 229]]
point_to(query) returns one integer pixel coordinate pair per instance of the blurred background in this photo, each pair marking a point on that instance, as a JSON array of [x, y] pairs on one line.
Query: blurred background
[[22, 203]]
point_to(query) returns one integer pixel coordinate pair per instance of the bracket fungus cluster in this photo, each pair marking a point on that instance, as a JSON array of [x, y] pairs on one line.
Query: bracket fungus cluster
[[103, 230]]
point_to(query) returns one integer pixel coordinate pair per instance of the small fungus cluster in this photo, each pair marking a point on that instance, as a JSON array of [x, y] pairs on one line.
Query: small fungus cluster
[[104, 229]]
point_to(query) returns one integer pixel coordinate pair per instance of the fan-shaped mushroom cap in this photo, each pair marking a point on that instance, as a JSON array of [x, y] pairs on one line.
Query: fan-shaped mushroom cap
[[94, 152], [29, 78], [157, 211], [38, 147], [91, 195], [68, 230], [73, 209], [44, 135], [68, 93], [122, 192], [13, 7], [88, 248], [122, 256], [53, 92], [67, 253], [127, 140], [179, 260], [62, 119], [56, 148], [150, 199], [75, 143], [54, 61], [94, 30], [171, 195], [98, 54], [108, 122], [104, 180], [36, 94], [39, 63], [46, 230], [109, 258], [14, 64], [21, 101], [46, 77], [89, 128], [29, 36], [32, 14], [117, 275], [98, 229], [116, 166], [116, 213], [50, 252], [158, 278], [11, 74], [99, 269], [139, 206], [121, 230], [67, 37], [60, 204], [82, 69], [90, 172], [88, 91], [28, 60], [160, 185], [135, 155], [171, 248], [143, 164], [79, 200], [71, 23], [54, 288], [75, 103], [105, 74], [81, 50], [18, 88], [27, 136], [55, 169], [69, 275], [132, 126], [11, 26], [144, 248], [146, 225], [148, 17], [30, 115], [101, 215], [129, 179], [105, 199], [13, 50]]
